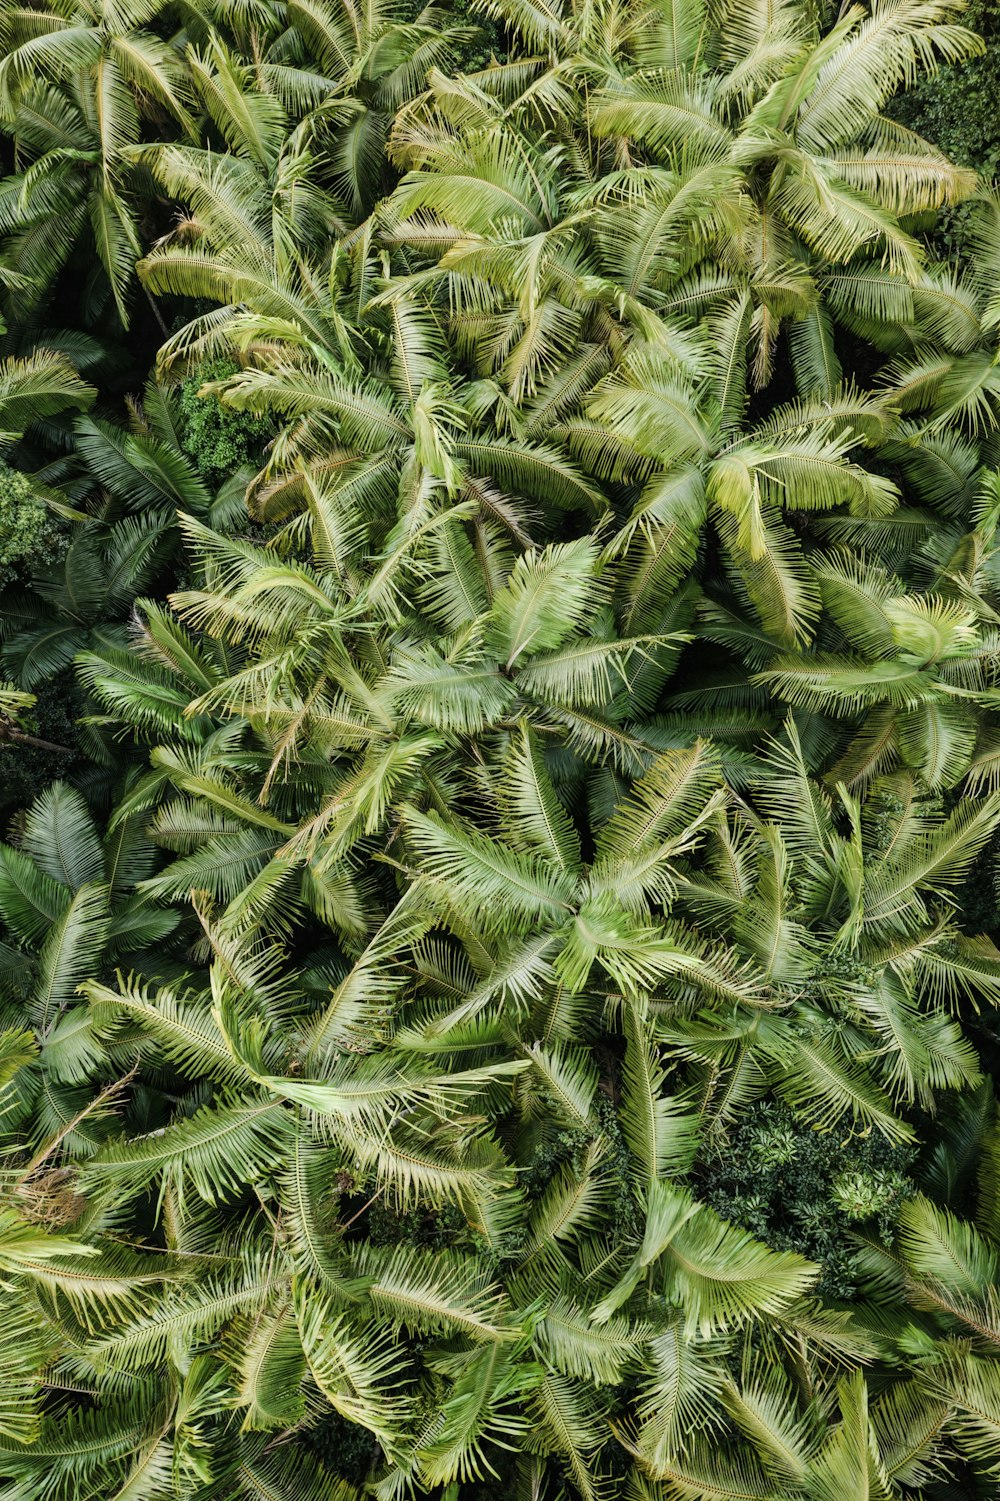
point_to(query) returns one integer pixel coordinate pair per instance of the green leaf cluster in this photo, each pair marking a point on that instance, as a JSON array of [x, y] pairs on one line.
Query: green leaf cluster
[[218, 440], [30, 535]]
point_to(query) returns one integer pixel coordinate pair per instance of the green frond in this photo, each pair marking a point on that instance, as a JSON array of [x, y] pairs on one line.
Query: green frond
[[514, 890], [827, 1085], [70, 953], [31, 901], [218, 1150], [356, 1373], [763, 1407], [661, 1130], [269, 1365], [431, 1292]]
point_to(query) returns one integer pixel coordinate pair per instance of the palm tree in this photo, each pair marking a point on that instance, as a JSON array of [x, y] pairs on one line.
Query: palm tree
[[76, 83], [132, 480], [918, 685], [258, 220], [333, 676], [68, 900], [938, 1278]]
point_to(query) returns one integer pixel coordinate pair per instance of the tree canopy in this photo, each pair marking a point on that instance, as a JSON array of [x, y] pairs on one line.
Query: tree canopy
[[500, 750]]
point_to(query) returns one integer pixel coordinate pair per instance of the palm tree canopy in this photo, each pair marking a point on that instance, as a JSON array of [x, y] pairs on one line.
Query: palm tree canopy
[[499, 679]]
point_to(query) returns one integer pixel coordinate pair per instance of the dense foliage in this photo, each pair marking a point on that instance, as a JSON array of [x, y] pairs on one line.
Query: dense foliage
[[499, 751]]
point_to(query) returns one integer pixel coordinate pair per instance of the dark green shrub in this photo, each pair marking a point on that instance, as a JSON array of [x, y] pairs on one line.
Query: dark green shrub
[[347, 1450], [804, 1190], [957, 110], [218, 439], [489, 41], [957, 107], [426, 1227], [31, 535]]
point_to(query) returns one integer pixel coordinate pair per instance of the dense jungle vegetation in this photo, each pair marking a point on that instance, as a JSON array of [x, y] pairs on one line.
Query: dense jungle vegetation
[[499, 750]]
